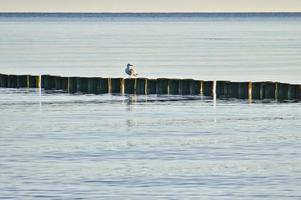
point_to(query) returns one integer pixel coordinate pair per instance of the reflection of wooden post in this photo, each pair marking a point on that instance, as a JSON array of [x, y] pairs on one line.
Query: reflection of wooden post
[[162, 86], [151, 86], [174, 85]]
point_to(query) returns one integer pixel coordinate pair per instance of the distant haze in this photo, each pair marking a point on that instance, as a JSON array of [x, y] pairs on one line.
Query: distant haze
[[150, 6]]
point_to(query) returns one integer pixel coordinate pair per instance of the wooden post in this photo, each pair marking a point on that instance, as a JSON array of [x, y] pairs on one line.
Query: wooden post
[[223, 89], [48, 82], [130, 85], [250, 89], [92, 84], [282, 91], [174, 86], [196, 87], [117, 85], [294, 92], [103, 85], [162, 86], [141, 86], [12, 81], [82, 85], [257, 90], [33, 81], [3, 80], [243, 90], [269, 90], [208, 88], [186, 86], [72, 85], [21, 81], [151, 86]]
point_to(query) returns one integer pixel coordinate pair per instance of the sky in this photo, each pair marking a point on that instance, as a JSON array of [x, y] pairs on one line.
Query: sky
[[150, 5]]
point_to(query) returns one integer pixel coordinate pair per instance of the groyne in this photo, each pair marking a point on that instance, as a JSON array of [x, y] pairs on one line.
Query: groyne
[[160, 86]]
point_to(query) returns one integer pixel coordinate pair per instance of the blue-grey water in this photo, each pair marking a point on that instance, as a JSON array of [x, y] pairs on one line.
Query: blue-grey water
[[61, 146]]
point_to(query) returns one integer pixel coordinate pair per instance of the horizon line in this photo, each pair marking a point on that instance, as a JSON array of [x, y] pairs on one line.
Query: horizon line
[[167, 12]]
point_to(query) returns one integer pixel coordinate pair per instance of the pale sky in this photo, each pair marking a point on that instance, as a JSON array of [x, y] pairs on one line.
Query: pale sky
[[150, 5]]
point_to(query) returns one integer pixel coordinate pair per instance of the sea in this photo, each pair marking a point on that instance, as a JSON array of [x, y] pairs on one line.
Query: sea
[[55, 145]]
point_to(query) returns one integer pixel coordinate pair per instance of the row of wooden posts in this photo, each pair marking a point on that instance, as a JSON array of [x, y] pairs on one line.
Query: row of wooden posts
[[161, 86]]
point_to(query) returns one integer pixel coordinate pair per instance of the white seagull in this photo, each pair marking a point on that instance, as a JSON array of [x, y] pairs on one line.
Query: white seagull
[[129, 70]]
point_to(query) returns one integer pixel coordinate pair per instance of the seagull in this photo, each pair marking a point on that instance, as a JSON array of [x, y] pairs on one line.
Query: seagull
[[130, 70]]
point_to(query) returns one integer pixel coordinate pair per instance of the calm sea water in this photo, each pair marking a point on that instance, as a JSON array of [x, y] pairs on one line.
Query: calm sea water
[[61, 146], [203, 46]]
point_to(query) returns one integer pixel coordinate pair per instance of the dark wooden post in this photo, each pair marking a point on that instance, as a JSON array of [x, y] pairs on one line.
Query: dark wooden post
[[196, 87], [208, 88], [141, 86], [281, 91], [162, 86], [174, 86], [129, 85], [117, 85], [72, 84], [269, 90], [3, 80], [151, 86]]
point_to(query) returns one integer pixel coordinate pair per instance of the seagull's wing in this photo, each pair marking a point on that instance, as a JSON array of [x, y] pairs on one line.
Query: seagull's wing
[[133, 72]]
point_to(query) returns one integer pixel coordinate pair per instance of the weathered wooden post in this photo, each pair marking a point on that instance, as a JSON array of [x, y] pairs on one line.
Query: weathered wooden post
[[223, 89], [82, 85], [117, 85], [239, 90], [269, 90], [92, 85], [257, 90], [294, 92], [162, 86], [130, 85], [186, 86], [72, 85], [174, 86], [151, 86], [208, 88], [103, 85], [197, 87], [21, 81], [48, 82], [141, 86], [3, 80], [33, 81], [12, 81], [61, 83], [281, 92]]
